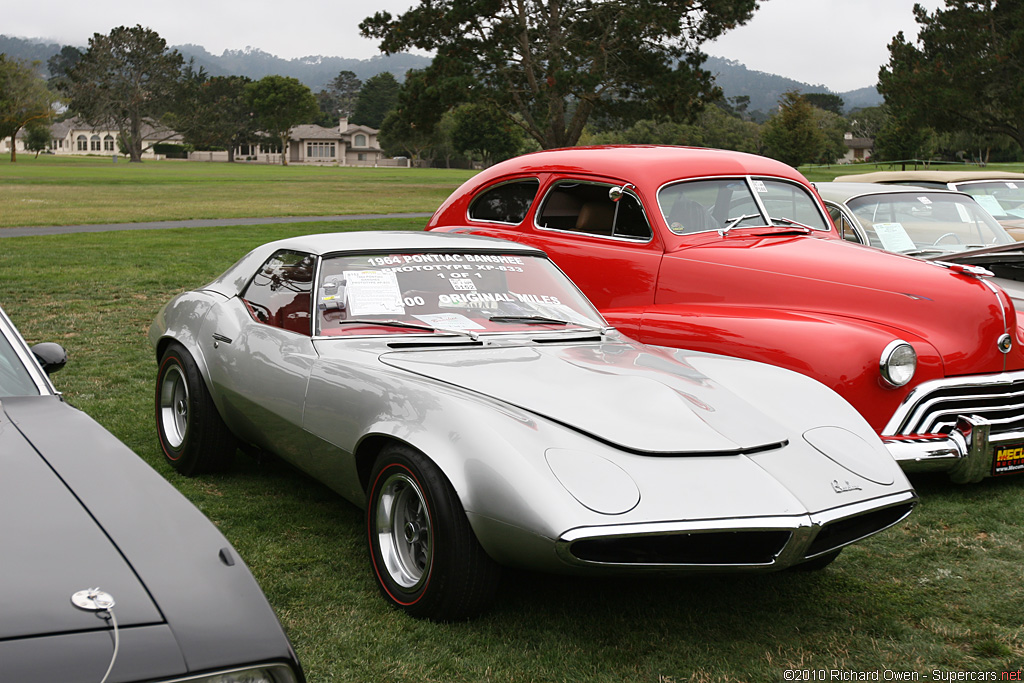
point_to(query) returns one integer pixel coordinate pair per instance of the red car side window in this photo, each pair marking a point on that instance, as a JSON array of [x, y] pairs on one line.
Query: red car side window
[[505, 203]]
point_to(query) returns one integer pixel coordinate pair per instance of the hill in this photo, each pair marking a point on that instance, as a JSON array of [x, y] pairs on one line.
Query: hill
[[765, 89], [316, 71]]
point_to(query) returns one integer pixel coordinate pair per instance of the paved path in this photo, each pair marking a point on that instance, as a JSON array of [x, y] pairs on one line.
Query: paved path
[[201, 223]]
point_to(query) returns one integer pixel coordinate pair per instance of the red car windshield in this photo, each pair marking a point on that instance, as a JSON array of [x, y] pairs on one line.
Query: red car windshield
[[468, 293], [727, 203]]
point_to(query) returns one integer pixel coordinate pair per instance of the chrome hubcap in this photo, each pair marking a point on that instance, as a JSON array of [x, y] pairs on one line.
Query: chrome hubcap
[[402, 527], [174, 407]]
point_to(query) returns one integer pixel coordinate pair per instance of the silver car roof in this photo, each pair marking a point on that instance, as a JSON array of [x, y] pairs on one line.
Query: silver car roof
[[235, 278]]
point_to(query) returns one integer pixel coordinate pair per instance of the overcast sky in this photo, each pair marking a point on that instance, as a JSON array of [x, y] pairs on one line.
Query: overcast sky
[[837, 43]]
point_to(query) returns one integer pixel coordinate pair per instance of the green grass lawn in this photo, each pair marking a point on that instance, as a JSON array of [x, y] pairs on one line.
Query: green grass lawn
[[941, 591], [55, 190]]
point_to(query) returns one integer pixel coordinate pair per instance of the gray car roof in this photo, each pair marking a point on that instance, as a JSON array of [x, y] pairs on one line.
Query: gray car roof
[[842, 192]]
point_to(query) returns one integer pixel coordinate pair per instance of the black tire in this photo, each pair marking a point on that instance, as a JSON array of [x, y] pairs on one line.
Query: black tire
[[818, 563], [193, 437], [423, 552]]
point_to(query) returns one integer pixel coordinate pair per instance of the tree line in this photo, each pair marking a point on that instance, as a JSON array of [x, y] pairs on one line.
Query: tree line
[[509, 76]]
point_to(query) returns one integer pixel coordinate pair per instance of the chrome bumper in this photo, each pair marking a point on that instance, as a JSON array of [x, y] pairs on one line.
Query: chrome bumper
[[968, 452]]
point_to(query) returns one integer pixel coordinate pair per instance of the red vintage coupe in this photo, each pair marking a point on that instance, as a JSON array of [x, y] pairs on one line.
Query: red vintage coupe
[[734, 254]]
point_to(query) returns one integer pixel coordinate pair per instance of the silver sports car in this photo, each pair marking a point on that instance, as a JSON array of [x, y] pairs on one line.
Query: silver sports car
[[465, 393]]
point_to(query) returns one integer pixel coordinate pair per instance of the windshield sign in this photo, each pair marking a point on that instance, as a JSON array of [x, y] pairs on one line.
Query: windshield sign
[[467, 293], [918, 222]]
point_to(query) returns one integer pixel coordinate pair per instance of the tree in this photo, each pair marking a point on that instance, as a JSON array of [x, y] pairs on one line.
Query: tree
[[214, 112], [548, 65], [338, 99], [965, 73], [866, 122], [278, 104], [123, 80], [377, 97], [37, 136], [24, 98], [826, 101], [833, 129], [900, 138], [60, 64], [792, 134], [478, 129]]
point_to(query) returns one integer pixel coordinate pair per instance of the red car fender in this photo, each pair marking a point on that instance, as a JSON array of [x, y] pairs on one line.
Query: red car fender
[[820, 346]]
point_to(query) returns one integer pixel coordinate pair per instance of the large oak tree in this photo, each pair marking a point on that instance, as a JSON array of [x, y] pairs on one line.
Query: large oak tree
[[965, 73], [123, 80], [550, 64]]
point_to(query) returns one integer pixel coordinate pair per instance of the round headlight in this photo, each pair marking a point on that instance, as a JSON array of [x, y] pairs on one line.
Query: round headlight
[[898, 363]]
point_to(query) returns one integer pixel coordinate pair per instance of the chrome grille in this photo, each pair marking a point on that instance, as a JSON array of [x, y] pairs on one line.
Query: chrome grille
[[933, 407]]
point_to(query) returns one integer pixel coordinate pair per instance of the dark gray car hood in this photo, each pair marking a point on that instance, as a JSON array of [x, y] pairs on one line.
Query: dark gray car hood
[[631, 396], [81, 510], [52, 548]]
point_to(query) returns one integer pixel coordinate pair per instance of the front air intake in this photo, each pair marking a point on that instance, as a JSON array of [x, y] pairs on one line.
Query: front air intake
[[711, 548]]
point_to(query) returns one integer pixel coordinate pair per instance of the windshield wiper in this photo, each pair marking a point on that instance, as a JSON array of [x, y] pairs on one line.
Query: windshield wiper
[[731, 223], [544, 320], [790, 221], [413, 326]]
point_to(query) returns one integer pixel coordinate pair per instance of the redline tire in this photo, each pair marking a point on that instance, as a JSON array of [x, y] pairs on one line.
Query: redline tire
[[423, 553]]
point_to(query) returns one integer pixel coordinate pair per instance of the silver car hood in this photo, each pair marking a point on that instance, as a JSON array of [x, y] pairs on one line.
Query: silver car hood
[[632, 397]]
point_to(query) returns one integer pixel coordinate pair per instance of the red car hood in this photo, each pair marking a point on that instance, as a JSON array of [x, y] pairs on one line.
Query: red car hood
[[958, 314]]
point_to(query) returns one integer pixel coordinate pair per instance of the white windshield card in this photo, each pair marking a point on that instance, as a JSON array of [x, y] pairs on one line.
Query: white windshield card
[[894, 237], [759, 186], [924, 200], [373, 292], [990, 204], [1012, 186], [449, 321]]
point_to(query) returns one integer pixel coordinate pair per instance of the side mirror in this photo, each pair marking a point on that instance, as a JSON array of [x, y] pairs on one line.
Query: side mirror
[[615, 193], [52, 357]]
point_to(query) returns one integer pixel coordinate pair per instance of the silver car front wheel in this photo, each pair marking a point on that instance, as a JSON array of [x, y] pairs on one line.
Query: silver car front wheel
[[424, 554]]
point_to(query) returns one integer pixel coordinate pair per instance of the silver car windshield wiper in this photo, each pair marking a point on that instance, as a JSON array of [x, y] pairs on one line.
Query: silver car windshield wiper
[[544, 320], [401, 323]]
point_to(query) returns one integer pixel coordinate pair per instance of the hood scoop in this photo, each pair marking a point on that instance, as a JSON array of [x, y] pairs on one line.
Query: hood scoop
[[635, 399]]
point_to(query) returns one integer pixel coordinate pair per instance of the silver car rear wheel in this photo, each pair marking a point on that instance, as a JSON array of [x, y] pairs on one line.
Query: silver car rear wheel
[[192, 434], [173, 406]]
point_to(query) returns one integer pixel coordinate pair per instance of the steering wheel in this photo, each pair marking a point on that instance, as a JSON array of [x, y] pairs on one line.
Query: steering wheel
[[948, 234]]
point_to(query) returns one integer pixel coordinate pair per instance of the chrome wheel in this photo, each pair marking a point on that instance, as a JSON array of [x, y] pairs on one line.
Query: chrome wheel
[[174, 406], [403, 530]]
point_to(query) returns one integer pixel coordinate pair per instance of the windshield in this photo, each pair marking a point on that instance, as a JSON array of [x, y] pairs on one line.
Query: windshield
[[719, 203], [1004, 199], [926, 222], [465, 293], [14, 378]]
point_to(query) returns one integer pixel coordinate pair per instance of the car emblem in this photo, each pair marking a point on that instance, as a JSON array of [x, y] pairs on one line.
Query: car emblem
[[844, 487]]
